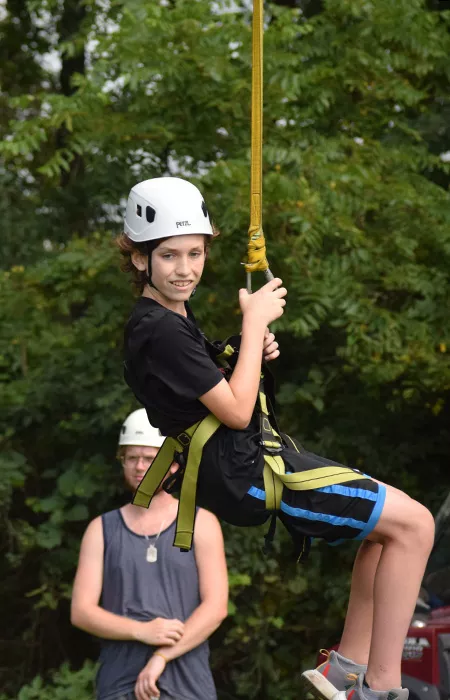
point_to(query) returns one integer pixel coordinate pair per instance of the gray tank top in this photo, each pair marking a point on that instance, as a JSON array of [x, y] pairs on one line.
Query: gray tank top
[[140, 590]]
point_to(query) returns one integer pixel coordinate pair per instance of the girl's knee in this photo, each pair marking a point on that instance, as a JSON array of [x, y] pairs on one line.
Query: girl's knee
[[425, 523], [419, 524], [407, 521]]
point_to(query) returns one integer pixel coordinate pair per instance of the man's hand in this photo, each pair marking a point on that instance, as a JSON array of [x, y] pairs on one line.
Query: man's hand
[[270, 347], [159, 632], [146, 688]]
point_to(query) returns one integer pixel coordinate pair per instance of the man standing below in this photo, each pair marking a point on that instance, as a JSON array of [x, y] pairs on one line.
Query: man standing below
[[158, 605]]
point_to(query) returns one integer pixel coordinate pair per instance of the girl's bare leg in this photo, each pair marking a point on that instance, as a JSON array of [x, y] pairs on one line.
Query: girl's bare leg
[[406, 531], [386, 579], [357, 634]]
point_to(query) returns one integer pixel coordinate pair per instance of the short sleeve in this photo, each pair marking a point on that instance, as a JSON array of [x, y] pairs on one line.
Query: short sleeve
[[178, 357]]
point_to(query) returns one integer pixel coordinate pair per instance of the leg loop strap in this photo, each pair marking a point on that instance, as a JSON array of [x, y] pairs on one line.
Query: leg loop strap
[[195, 438]]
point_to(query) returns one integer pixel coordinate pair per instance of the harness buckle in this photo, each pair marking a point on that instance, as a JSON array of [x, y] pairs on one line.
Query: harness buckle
[[184, 438], [272, 450]]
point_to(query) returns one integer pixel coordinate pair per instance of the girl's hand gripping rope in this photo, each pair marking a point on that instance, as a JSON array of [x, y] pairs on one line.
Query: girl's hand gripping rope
[[265, 305], [233, 402]]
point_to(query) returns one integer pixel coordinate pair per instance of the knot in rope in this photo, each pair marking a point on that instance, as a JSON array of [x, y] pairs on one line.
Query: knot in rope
[[256, 252]]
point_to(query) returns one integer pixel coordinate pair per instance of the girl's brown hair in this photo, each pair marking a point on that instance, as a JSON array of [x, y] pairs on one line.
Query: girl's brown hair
[[127, 247]]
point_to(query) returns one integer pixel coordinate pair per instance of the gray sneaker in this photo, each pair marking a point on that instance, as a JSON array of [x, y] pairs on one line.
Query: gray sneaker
[[321, 688], [336, 672], [359, 692], [331, 677]]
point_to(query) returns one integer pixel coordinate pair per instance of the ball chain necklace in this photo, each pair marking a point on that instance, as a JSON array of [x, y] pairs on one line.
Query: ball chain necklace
[[151, 554]]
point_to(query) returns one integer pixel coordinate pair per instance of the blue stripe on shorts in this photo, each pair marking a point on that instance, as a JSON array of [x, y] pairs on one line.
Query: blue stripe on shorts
[[349, 491]]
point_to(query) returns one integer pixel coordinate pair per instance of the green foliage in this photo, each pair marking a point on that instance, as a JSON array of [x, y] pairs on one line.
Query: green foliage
[[65, 684], [259, 644], [357, 214]]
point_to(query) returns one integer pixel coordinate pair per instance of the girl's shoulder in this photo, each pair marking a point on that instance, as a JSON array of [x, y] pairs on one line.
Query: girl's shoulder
[[150, 320], [148, 312]]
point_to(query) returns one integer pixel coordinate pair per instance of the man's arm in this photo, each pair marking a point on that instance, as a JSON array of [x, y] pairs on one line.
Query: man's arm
[[213, 583], [88, 615]]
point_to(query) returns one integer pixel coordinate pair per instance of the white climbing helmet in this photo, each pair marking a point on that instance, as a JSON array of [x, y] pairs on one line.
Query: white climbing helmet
[[163, 207], [136, 430]]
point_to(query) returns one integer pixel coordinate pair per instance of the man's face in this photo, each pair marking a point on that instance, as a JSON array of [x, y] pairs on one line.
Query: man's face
[[136, 461]]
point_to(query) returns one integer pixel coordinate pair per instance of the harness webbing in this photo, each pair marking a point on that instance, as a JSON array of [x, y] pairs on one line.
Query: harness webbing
[[186, 507], [256, 249], [195, 438], [274, 473]]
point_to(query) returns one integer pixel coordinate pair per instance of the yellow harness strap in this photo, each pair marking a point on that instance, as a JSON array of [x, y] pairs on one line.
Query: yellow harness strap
[[273, 486], [158, 470], [195, 437], [186, 506], [227, 352], [274, 472], [256, 249]]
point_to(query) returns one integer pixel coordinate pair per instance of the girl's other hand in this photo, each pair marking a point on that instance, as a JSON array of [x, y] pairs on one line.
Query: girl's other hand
[[270, 347]]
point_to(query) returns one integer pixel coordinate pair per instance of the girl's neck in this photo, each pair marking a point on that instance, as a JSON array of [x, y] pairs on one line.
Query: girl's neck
[[177, 306]]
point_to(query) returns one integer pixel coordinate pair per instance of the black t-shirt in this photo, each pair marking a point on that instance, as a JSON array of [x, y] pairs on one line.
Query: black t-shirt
[[165, 353], [168, 367]]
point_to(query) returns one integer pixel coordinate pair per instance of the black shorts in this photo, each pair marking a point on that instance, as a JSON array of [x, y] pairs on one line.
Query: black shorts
[[333, 513]]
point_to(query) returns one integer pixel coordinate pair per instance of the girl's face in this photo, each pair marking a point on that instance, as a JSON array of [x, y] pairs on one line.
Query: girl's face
[[177, 266]]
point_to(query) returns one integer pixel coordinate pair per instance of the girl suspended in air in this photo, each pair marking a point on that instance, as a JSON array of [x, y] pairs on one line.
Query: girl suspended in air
[[234, 460]]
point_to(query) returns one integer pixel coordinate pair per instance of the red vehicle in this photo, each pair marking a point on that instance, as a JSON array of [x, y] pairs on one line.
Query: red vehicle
[[426, 653]]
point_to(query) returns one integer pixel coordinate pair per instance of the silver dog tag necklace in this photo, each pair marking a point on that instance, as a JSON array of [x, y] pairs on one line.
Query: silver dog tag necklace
[[151, 554]]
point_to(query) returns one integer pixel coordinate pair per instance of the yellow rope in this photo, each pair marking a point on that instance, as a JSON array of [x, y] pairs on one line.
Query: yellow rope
[[256, 250]]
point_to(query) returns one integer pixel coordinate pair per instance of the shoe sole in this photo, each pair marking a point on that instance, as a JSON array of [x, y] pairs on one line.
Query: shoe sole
[[319, 686]]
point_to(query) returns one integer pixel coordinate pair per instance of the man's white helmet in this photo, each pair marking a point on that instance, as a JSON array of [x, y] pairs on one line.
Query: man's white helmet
[[137, 430], [163, 207]]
